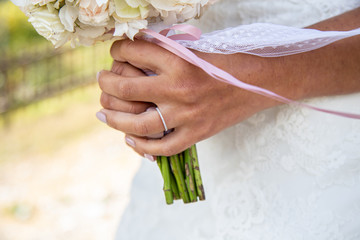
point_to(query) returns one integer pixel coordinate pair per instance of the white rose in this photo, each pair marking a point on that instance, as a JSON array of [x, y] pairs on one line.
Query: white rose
[[88, 35], [91, 13], [130, 9], [175, 5], [41, 2], [130, 28], [47, 23], [24, 5], [189, 12], [136, 3], [20, 3], [68, 15]]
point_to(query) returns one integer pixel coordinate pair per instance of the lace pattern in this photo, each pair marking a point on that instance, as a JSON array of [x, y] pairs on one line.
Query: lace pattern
[[265, 40], [285, 173]]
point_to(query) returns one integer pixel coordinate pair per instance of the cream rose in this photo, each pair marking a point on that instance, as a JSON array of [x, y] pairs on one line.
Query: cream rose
[[87, 21], [130, 28], [47, 23], [130, 9], [175, 5], [68, 15], [91, 13], [41, 2]]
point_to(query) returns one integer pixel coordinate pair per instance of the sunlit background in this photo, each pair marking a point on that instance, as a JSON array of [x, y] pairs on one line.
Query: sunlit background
[[63, 174]]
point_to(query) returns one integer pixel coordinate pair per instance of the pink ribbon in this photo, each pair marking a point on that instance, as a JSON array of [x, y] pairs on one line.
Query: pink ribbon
[[192, 33]]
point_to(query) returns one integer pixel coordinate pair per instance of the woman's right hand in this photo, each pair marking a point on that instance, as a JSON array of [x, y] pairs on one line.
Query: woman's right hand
[[192, 103]]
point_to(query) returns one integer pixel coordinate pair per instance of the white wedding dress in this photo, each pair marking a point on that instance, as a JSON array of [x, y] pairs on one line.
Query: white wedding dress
[[285, 173]]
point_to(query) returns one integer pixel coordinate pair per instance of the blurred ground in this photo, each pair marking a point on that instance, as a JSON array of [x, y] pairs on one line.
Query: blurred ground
[[63, 174]]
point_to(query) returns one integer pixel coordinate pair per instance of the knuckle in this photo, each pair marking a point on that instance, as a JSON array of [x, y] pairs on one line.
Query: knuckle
[[191, 113], [132, 108], [191, 96], [117, 48], [141, 128], [138, 151], [185, 90], [127, 45], [167, 151], [111, 122], [136, 108], [114, 49], [125, 90], [170, 149], [100, 78], [118, 67], [104, 100]]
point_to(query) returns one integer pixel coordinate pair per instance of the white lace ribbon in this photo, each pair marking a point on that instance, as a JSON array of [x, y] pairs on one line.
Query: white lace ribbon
[[266, 40]]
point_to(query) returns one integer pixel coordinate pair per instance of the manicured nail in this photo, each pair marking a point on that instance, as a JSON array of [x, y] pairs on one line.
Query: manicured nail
[[130, 141], [97, 75], [150, 157], [101, 116]]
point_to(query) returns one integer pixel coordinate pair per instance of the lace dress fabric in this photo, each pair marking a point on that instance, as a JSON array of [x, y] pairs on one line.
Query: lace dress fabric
[[285, 173]]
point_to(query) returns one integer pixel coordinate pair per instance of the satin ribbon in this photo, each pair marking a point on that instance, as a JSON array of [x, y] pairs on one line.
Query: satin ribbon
[[192, 33]]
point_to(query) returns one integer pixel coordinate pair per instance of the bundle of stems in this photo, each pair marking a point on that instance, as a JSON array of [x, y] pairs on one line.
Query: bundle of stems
[[181, 174]]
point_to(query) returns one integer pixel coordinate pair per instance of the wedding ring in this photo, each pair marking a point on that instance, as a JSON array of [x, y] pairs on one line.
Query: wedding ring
[[162, 119]]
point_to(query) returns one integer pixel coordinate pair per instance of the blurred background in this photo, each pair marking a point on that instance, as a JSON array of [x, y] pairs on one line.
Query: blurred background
[[63, 174]]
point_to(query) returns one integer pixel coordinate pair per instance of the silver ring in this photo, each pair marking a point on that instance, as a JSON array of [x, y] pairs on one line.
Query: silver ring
[[162, 119]]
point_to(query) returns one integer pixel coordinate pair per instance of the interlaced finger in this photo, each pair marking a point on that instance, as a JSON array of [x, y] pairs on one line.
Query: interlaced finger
[[126, 69], [143, 55], [112, 103], [169, 145], [143, 124], [130, 88]]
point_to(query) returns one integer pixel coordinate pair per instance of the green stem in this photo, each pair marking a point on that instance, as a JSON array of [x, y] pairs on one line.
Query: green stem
[[182, 161], [158, 161], [190, 177], [175, 166], [198, 180], [174, 187], [165, 171]]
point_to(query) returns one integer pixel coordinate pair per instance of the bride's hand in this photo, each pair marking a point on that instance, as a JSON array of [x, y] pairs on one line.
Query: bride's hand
[[197, 106], [192, 103]]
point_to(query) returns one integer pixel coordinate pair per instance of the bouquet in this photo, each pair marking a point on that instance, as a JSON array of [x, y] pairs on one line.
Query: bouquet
[[85, 22]]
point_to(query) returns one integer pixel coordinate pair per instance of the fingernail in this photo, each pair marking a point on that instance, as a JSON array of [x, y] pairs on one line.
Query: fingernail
[[98, 75], [130, 141], [101, 116], [149, 157]]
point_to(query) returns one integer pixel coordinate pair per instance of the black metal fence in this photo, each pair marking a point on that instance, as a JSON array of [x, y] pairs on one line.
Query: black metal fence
[[37, 72]]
